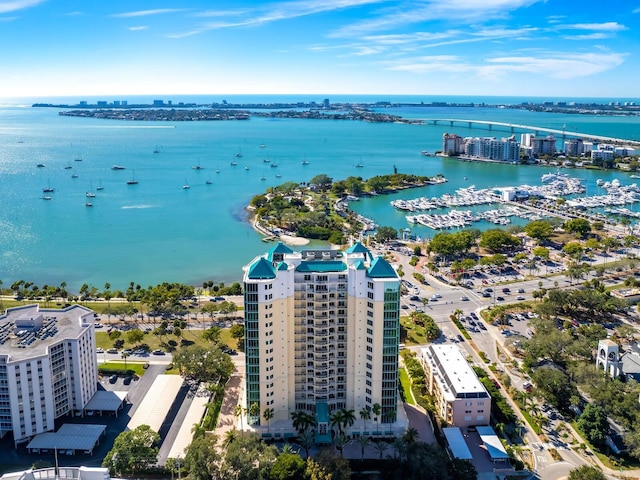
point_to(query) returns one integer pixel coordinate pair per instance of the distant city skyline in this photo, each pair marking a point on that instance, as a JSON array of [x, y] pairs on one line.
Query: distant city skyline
[[420, 47]]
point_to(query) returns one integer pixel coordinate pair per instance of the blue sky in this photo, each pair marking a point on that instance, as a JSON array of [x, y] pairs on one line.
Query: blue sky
[[576, 48]]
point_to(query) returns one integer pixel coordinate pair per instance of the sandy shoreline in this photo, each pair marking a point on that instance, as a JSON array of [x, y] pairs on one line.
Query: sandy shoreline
[[288, 239]]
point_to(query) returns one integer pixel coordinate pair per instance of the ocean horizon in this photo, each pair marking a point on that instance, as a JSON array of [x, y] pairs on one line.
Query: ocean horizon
[[157, 231]]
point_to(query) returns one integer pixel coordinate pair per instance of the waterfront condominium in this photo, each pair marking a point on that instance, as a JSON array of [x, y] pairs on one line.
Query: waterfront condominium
[[321, 334], [460, 398], [48, 367]]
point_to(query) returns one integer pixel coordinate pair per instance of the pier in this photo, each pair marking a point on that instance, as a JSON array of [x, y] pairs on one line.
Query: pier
[[515, 126]]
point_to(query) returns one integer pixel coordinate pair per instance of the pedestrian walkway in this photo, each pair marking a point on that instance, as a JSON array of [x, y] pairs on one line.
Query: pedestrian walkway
[[227, 419]]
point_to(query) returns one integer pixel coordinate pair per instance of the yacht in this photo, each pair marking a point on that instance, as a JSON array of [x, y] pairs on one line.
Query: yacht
[[46, 197], [266, 160], [209, 182], [599, 182], [197, 167], [118, 167], [40, 165], [359, 165], [305, 162], [90, 195], [68, 167], [75, 175], [246, 168], [233, 164], [88, 204], [100, 187], [48, 189], [274, 165], [186, 186]]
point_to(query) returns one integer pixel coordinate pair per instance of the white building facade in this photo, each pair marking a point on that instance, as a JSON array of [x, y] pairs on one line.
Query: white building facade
[[322, 334], [48, 367], [461, 399]]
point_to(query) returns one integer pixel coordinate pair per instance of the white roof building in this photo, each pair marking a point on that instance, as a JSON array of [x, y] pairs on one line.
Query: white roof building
[[461, 399], [48, 367]]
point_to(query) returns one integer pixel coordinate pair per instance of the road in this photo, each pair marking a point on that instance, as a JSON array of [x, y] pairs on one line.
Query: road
[[444, 299]]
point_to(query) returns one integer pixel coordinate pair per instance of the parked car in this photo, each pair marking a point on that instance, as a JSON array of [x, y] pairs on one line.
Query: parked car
[[113, 379], [158, 352], [112, 350], [99, 350], [521, 290], [127, 380]]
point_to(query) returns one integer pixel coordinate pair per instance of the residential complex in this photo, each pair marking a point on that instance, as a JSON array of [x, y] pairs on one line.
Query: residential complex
[[322, 334], [48, 367], [461, 399], [484, 148]]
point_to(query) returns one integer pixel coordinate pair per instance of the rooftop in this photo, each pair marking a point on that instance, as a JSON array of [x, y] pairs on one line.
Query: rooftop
[[321, 266], [454, 372], [29, 331]]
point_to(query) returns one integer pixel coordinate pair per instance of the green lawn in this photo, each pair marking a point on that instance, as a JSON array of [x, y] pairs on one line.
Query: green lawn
[[166, 342], [406, 387], [411, 334]]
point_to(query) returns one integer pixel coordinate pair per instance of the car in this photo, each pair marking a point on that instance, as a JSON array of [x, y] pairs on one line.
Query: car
[[113, 379], [506, 291], [127, 380], [520, 297], [419, 310], [481, 325], [99, 350], [521, 290], [488, 290], [405, 307], [97, 325], [464, 299], [499, 299], [434, 298], [472, 322], [414, 298], [127, 351], [112, 350], [139, 351], [527, 387], [437, 295], [473, 315], [460, 338], [157, 351]]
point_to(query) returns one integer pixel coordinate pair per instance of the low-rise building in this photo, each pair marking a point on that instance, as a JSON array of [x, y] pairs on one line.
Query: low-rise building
[[461, 399]]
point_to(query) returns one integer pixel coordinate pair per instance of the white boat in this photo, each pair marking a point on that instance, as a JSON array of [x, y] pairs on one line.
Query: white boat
[[88, 204], [90, 193], [634, 176], [599, 182], [246, 168], [100, 187], [359, 165], [186, 186], [304, 162], [46, 197], [233, 164]]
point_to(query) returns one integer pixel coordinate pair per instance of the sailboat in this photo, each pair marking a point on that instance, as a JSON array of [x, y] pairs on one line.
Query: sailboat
[[90, 193], [48, 189], [186, 186], [209, 182], [133, 180], [239, 154], [100, 187]]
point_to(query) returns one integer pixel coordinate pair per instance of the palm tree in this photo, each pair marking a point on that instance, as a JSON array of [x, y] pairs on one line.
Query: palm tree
[[337, 420], [238, 413], [400, 446], [197, 430], [340, 440], [377, 410], [268, 415], [363, 441], [348, 418], [380, 446], [229, 438], [254, 412], [411, 435], [301, 421], [365, 414], [306, 439]]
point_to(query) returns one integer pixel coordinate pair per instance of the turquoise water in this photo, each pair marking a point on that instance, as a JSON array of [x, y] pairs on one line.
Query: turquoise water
[[157, 231]]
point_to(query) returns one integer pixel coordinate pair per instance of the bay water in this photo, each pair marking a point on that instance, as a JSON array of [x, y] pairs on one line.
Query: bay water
[[158, 231]]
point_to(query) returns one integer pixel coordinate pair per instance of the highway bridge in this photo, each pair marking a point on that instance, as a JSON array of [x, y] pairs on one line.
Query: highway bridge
[[529, 128]]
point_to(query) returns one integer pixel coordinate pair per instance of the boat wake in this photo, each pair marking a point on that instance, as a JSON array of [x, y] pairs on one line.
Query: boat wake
[[138, 207]]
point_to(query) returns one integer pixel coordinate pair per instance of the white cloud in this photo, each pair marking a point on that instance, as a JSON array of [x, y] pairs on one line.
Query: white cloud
[[136, 29], [18, 5], [562, 66], [588, 36], [272, 13], [407, 13], [75, 13], [146, 13], [635, 10], [600, 27], [8, 19]]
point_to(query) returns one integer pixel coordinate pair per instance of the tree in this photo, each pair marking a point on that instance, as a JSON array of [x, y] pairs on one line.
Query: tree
[[288, 466], [381, 446], [540, 230], [322, 181], [248, 457], [134, 336], [586, 472], [301, 420], [202, 458], [133, 451], [573, 249], [593, 423], [203, 363], [462, 470], [385, 234], [377, 410], [268, 415], [364, 441], [254, 412], [554, 386], [579, 226], [496, 240], [337, 465], [365, 414], [229, 437]]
